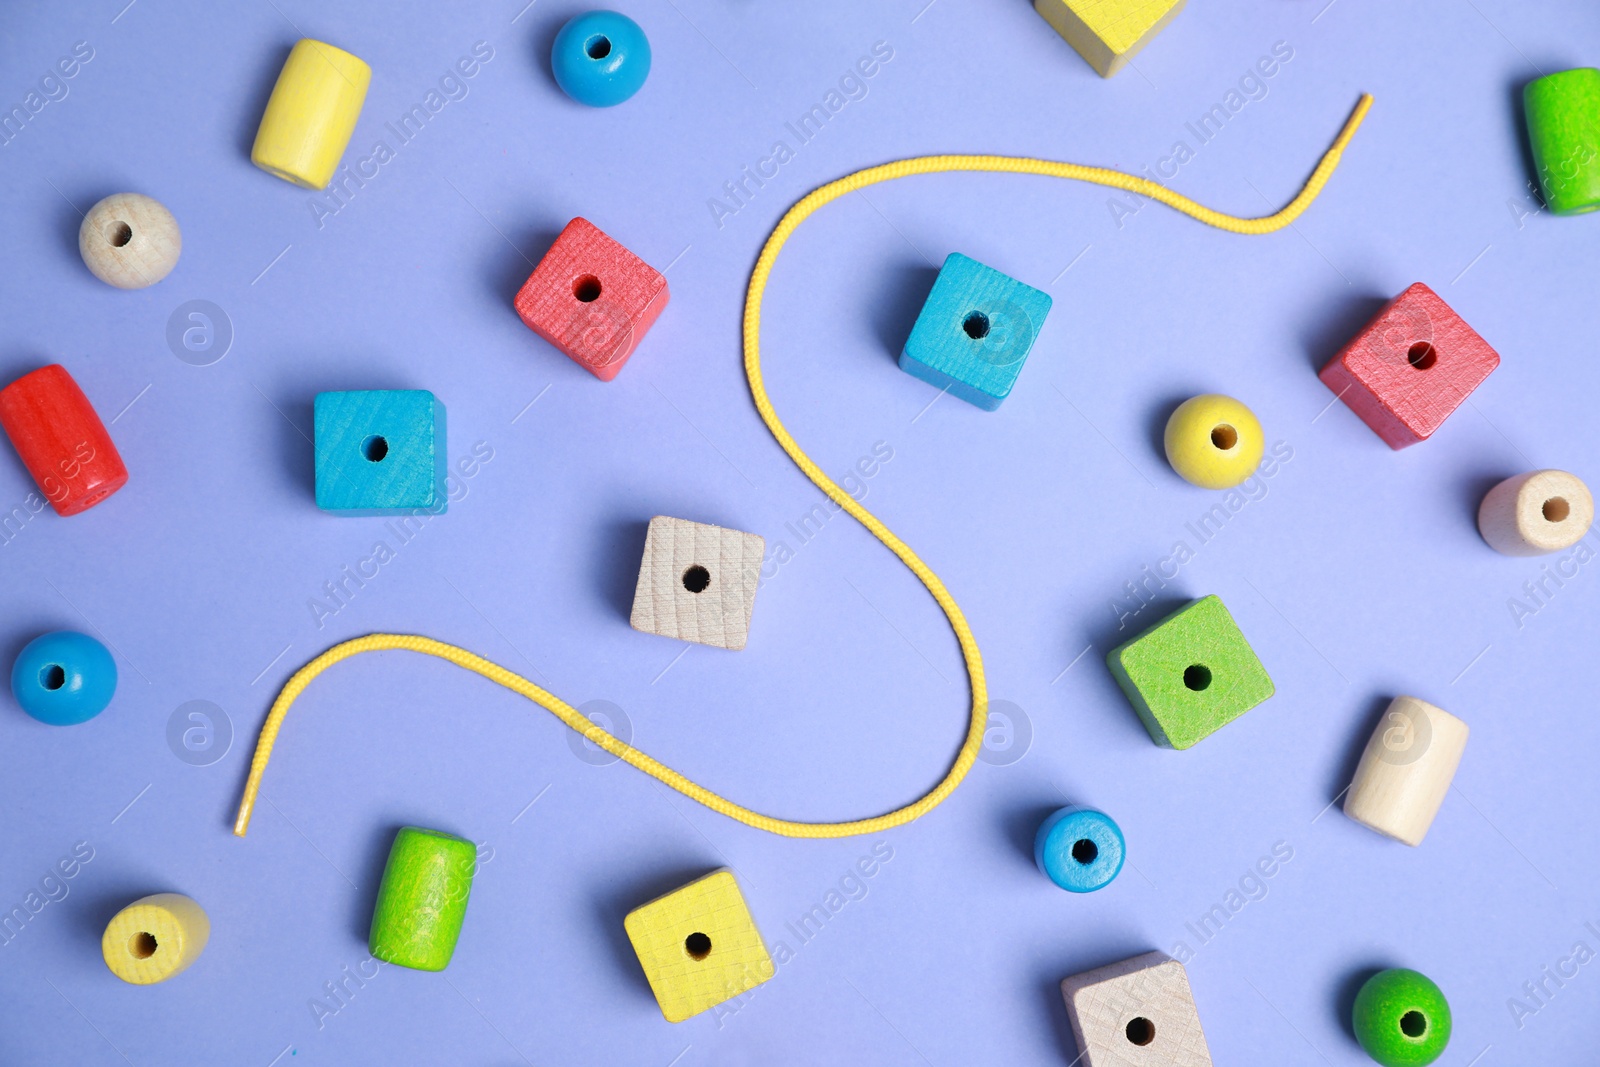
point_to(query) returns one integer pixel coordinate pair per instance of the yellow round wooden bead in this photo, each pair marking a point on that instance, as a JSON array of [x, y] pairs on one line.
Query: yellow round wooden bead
[[1214, 441], [129, 240], [154, 938]]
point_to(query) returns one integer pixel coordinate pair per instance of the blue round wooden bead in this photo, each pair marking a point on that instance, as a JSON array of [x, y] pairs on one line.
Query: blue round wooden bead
[[64, 678], [601, 58], [1079, 849]]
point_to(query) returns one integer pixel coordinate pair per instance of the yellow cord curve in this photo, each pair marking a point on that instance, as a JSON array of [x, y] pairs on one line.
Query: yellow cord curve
[[752, 365]]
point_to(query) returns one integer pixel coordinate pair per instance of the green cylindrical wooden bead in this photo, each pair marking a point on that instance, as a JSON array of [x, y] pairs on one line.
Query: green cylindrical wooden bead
[[1564, 128], [1401, 1018], [423, 899]]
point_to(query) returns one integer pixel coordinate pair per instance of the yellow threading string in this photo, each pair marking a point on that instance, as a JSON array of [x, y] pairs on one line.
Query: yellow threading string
[[752, 365]]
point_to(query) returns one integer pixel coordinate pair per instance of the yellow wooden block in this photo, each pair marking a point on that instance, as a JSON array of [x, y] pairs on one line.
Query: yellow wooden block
[[1108, 33], [311, 114], [699, 946], [154, 938]]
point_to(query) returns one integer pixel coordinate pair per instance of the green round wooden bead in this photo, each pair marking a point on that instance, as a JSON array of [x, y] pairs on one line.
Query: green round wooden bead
[[1564, 128], [423, 899], [1402, 1019]]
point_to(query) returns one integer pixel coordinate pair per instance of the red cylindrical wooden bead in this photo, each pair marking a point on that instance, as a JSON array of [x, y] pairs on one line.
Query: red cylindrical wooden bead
[[62, 441]]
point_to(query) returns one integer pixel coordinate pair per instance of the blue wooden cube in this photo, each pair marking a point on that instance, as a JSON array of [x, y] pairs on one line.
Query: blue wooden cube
[[380, 452], [974, 332]]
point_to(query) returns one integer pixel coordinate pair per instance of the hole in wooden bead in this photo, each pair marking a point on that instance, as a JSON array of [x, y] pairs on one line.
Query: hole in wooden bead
[[1422, 355], [586, 288], [1556, 509], [696, 579], [1085, 851], [1413, 1024], [977, 325], [1224, 436], [1197, 677], [53, 676], [142, 946], [598, 46], [1140, 1031], [375, 448], [697, 945], [118, 234]]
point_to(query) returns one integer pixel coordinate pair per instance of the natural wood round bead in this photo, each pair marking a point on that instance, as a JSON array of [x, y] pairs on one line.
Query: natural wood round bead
[[1534, 513], [130, 241]]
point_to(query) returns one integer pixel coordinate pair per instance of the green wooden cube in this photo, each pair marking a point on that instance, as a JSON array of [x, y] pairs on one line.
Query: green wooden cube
[[423, 899], [1191, 674]]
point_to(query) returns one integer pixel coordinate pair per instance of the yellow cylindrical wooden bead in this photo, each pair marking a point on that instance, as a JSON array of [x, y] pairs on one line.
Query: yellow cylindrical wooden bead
[[129, 240], [1214, 441], [311, 114], [1534, 513], [154, 938]]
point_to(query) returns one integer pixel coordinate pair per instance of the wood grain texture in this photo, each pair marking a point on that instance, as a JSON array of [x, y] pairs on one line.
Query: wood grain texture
[[699, 946], [1406, 769], [1190, 674], [380, 452], [592, 298], [155, 938], [1408, 369], [129, 240], [665, 601], [1108, 33], [1136, 1013], [1535, 513], [974, 332]]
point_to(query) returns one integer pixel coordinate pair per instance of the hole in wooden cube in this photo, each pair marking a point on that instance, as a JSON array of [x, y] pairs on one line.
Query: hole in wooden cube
[[380, 452], [1191, 674], [1376, 372], [592, 298], [697, 582], [1136, 1012], [974, 332], [1108, 33], [699, 946]]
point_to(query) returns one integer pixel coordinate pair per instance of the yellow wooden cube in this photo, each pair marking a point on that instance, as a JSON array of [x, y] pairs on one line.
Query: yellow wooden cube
[[699, 946], [311, 114], [1108, 33]]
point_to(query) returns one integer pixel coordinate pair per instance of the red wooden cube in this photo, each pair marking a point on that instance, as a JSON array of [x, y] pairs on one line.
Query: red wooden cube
[[1410, 367], [592, 298], [61, 440]]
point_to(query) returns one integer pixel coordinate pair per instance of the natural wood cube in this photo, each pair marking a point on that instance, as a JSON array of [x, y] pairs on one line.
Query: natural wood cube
[[699, 946], [1108, 33], [1406, 769], [1410, 367], [697, 582], [1137, 1013]]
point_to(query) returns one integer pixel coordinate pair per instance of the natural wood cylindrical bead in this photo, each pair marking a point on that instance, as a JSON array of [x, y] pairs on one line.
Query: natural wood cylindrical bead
[[1406, 769], [129, 240], [311, 114], [1535, 513], [61, 440], [154, 938]]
